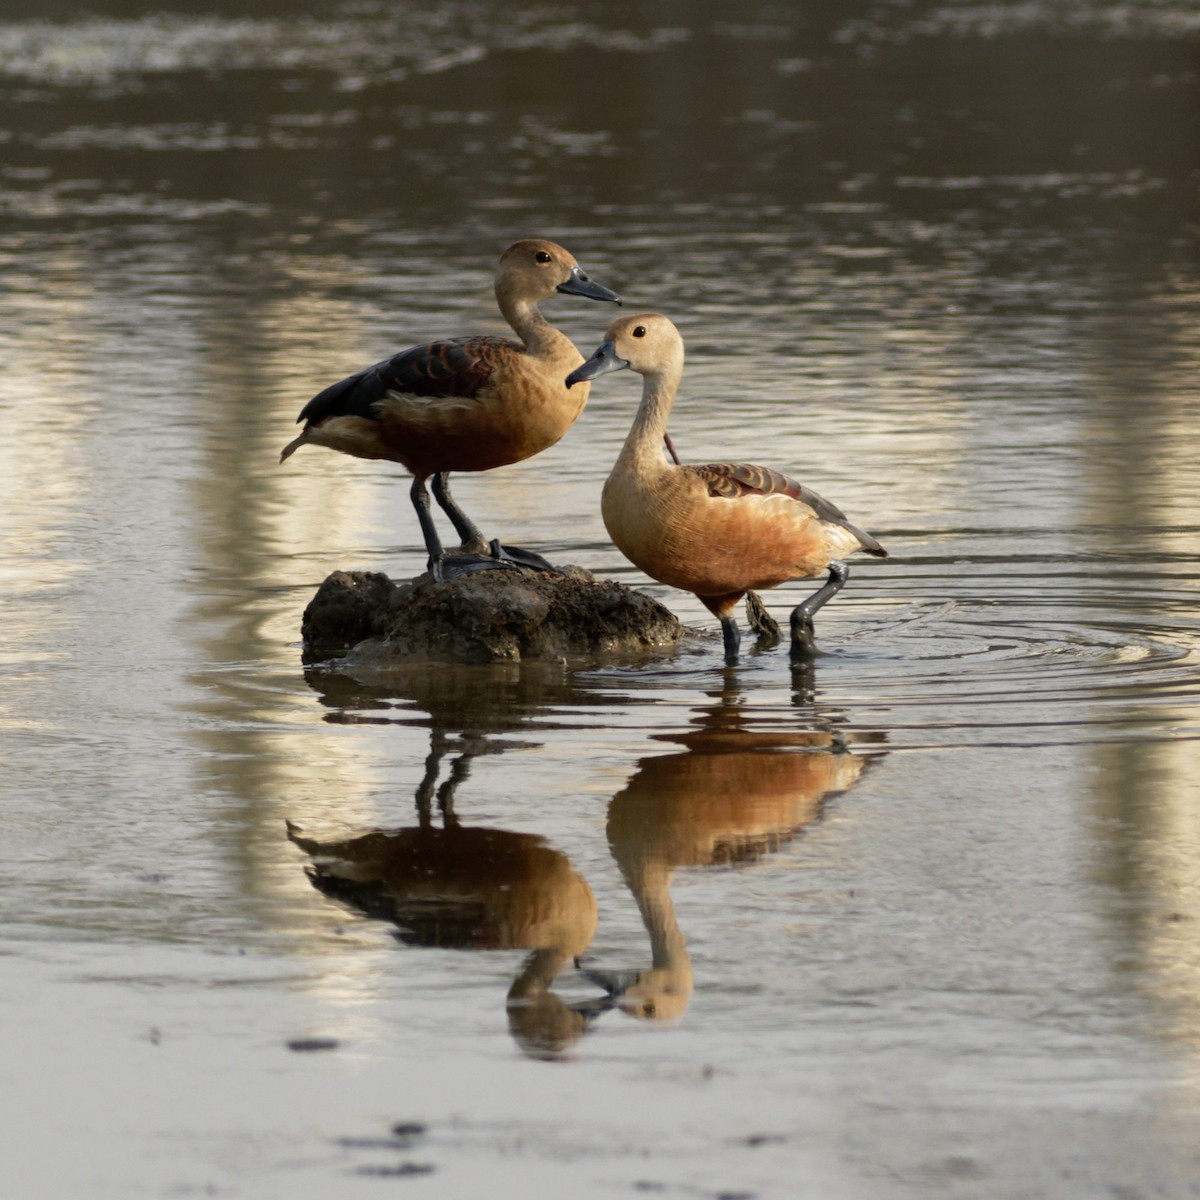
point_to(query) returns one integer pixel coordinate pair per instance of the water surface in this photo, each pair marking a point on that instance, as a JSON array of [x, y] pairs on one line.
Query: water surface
[[920, 920]]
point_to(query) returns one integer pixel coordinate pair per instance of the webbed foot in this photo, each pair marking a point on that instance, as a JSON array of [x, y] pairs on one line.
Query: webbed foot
[[454, 566], [520, 557]]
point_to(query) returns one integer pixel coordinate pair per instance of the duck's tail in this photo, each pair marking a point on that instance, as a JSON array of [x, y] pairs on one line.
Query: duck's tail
[[293, 446]]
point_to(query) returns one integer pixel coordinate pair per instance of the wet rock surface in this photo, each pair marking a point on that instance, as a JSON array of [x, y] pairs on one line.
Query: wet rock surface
[[488, 616]]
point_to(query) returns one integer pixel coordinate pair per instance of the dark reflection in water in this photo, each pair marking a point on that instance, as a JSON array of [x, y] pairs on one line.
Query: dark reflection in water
[[738, 791], [483, 704], [467, 887], [464, 886]]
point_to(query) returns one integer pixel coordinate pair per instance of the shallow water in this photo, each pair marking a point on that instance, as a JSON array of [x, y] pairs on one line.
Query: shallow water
[[922, 920]]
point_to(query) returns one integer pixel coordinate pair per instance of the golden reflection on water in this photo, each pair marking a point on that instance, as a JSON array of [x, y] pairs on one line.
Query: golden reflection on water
[[736, 792], [296, 341], [733, 795], [44, 452], [1144, 496], [1149, 803]]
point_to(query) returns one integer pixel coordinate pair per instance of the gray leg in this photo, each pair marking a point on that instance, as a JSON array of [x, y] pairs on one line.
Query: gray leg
[[433, 763], [803, 643], [460, 768], [733, 638], [433, 544], [442, 566], [467, 530], [479, 554]]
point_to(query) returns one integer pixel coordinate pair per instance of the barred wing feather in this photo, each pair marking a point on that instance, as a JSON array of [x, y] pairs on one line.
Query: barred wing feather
[[729, 481]]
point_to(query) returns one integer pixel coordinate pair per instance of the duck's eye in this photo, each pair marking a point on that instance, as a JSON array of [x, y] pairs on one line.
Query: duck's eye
[[542, 257], [640, 331]]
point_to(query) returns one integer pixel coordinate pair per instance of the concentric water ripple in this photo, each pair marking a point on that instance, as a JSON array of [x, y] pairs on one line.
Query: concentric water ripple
[[957, 652], [1028, 652]]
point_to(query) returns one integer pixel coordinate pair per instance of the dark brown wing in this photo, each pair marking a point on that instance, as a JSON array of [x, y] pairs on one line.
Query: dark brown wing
[[458, 367], [728, 481]]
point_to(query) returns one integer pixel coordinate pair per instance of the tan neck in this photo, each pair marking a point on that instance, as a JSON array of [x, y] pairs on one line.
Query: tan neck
[[539, 336], [643, 447], [650, 884], [538, 973]]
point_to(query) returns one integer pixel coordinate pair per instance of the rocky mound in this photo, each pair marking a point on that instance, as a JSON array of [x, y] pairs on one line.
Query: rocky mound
[[488, 616]]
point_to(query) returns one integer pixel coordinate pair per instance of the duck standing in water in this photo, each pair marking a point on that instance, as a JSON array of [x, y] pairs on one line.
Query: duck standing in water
[[466, 403], [719, 529]]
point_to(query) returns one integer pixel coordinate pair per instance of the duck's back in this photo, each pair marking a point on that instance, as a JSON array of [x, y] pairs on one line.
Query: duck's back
[[460, 404], [451, 368]]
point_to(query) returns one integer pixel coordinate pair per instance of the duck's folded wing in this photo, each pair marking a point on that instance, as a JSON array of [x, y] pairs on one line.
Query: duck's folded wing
[[458, 367], [729, 481]]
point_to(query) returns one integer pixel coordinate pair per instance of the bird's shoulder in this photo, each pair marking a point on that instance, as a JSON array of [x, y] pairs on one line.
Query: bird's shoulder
[[458, 367]]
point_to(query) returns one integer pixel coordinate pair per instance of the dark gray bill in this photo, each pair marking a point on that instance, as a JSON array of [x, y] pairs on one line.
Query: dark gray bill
[[604, 360], [581, 285]]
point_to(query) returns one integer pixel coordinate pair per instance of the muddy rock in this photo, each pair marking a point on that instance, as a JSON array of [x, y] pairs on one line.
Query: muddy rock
[[489, 616]]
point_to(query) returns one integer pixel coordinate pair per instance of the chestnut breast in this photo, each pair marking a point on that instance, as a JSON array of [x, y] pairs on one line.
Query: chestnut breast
[[666, 522]]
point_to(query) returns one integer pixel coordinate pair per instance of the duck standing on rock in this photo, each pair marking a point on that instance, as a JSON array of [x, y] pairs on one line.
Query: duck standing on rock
[[466, 403], [719, 529]]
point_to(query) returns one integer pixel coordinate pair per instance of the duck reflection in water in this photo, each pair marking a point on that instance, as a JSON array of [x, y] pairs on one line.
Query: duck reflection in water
[[733, 794], [744, 783], [472, 888]]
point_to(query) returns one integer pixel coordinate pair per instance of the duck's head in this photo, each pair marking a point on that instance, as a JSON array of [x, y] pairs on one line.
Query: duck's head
[[656, 994], [647, 343], [536, 268]]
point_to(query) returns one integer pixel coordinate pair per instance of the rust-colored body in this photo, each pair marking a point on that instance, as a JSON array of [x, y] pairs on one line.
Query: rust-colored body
[[468, 403], [668, 521], [461, 886], [717, 530], [499, 403]]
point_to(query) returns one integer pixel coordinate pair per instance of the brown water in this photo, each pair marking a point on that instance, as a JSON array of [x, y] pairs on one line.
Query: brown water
[[924, 920]]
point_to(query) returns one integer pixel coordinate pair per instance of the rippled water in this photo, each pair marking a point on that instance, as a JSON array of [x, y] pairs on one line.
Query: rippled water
[[921, 919]]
